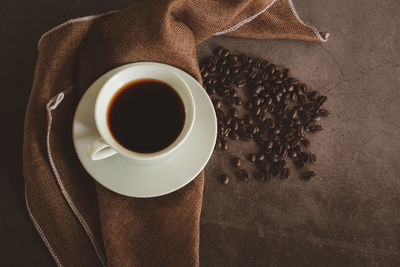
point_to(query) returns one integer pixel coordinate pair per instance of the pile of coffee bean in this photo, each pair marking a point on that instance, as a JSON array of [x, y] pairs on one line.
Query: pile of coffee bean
[[280, 111]]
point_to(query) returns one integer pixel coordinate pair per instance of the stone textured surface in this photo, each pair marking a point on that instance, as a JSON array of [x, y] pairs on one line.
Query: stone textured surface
[[347, 216]]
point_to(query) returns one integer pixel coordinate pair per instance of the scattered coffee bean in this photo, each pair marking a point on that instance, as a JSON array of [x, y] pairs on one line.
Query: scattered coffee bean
[[312, 158], [217, 103], [225, 53], [260, 157], [252, 157], [235, 135], [292, 153], [315, 128], [224, 145], [303, 157], [308, 175], [323, 112], [279, 110], [275, 171], [313, 96], [305, 142], [234, 112], [219, 51], [285, 173], [224, 179], [218, 144], [263, 176], [227, 131], [238, 100]]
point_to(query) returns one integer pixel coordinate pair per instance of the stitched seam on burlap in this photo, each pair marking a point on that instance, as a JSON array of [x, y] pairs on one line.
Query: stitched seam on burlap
[[41, 233], [307, 24], [71, 21], [51, 105], [245, 21]]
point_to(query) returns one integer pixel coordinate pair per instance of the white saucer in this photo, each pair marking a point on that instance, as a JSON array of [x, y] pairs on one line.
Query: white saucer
[[121, 175]]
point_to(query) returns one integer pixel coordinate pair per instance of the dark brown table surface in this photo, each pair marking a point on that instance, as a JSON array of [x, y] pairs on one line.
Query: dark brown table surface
[[349, 215]]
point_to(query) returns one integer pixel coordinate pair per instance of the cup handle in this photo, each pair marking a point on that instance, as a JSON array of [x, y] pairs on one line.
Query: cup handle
[[99, 149]]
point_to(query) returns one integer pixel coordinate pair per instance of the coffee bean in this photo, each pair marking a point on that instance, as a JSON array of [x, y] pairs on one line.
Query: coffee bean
[[238, 100], [252, 74], [235, 135], [270, 68], [218, 144], [276, 131], [315, 118], [227, 131], [285, 173], [260, 157], [263, 166], [308, 106], [302, 99], [293, 113], [313, 96], [312, 158], [224, 145], [305, 142], [221, 63], [275, 171], [252, 157], [235, 125], [292, 153], [257, 111], [212, 68], [308, 175], [243, 175], [225, 53], [284, 153], [218, 51], [303, 157], [258, 89], [269, 145], [220, 114], [219, 69], [226, 70], [224, 179], [210, 90], [323, 112], [234, 112], [315, 128], [321, 100], [232, 58], [249, 119], [298, 149], [228, 120], [217, 103], [270, 123], [273, 157], [263, 176], [236, 162]]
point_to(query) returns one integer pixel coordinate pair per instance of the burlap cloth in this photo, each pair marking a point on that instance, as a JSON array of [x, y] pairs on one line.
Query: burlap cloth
[[82, 223]]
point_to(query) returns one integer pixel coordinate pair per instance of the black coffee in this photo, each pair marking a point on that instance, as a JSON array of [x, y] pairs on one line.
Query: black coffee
[[146, 116]]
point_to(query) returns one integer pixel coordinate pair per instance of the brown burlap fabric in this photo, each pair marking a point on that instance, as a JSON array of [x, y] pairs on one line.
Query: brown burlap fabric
[[82, 223]]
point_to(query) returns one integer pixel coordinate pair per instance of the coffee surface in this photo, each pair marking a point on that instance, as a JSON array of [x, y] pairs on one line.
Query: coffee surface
[[146, 116]]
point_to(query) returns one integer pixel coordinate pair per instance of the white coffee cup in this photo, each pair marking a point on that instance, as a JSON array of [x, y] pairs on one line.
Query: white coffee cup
[[106, 146]]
